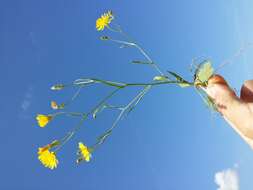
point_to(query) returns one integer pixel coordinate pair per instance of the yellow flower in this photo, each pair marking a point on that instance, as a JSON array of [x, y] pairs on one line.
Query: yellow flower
[[104, 20], [85, 152], [47, 158], [43, 119]]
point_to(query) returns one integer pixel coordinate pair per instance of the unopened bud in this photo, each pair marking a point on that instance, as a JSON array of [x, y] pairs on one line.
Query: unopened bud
[[57, 87], [104, 38]]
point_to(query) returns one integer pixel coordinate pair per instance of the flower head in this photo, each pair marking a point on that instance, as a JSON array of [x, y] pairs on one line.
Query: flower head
[[54, 105], [47, 158], [43, 119], [104, 20], [85, 152]]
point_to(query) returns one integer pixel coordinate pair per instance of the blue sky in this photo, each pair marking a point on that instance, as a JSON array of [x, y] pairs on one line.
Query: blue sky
[[170, 141]]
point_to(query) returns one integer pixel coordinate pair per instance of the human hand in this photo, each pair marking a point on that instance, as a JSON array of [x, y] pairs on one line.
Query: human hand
[[237, 111]]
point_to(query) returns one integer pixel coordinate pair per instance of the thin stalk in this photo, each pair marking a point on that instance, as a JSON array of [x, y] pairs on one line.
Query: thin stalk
[[142, 52], [149, 59], [77, 114], [123, 85], [70, 135], [122, 112], [103, 101], [78, 126]]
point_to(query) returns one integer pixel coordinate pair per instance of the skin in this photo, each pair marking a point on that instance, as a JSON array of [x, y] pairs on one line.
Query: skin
[[237, 111]]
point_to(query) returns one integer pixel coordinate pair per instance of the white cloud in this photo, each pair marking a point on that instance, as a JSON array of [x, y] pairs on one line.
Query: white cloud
[[27, 99], [26, 103], [227, 179]]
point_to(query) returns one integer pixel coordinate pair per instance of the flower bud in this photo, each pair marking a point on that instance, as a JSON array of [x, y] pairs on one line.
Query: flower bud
[[57, 87]]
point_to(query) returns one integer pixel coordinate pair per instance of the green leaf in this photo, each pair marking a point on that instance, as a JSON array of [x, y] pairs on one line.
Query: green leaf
[[176, 76], [110, 83], [160, 78], [84, 81], [182, 83], [204, 72], [142, 62]]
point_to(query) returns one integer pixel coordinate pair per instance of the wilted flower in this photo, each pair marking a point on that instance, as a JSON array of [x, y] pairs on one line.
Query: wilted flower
[[54, 105]]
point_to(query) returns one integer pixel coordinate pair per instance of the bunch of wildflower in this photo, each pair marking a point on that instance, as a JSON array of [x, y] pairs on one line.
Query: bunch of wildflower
[[47, 154]]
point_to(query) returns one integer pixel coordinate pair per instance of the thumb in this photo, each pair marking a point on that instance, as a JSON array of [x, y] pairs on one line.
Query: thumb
[[219, 90], [235, 111]]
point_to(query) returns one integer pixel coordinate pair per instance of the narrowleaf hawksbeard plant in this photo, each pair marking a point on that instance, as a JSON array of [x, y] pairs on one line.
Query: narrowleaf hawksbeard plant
[[47, 154]]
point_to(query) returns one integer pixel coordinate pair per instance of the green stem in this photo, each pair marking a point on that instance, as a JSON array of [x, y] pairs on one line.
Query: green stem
[[103, 101], [149, 59], [123, 85], [77, 114], [70, 134], [142, 52], [121, 114]]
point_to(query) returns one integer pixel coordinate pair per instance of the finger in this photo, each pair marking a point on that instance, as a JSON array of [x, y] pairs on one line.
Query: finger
[[236, 111], [219, 90], [217, 79], [247, 91], [217, 85]]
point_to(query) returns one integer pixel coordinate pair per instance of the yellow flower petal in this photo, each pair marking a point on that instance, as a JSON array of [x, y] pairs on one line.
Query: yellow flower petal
[[47, 158], [104, 20], [43, 119], [85, 152]]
